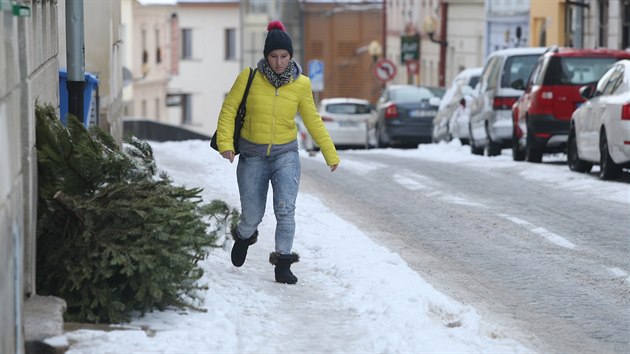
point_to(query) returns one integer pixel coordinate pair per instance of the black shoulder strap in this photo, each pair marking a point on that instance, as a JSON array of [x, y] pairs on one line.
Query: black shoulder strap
[[252, 73]]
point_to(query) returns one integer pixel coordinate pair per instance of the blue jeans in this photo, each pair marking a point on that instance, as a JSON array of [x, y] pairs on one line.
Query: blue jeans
[[253, 175]]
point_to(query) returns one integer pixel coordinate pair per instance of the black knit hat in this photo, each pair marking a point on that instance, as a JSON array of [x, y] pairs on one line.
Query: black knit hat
[[277, 38]]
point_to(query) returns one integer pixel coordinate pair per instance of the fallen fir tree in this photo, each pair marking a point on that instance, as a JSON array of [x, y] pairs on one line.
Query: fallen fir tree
[[114, 235]]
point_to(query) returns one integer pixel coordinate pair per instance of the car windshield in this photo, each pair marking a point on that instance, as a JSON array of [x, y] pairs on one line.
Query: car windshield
[[518, 67], [348, 108], [576, 70], [411, 93]]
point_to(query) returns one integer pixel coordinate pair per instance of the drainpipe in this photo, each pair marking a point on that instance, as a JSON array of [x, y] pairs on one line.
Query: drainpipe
[[384, 29], [443, 45], [75, 54]]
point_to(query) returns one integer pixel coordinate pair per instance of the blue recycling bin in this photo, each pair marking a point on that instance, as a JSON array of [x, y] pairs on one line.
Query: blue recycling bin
[[91, 82]]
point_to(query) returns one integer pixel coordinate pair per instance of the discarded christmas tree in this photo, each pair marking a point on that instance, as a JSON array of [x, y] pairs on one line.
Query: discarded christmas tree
[[114, 235]]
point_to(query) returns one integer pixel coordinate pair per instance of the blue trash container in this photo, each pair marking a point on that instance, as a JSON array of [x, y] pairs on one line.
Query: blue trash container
[[91, 82]]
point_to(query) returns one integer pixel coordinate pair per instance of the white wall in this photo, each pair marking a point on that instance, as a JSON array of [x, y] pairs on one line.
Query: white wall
[[465, 37], [208, 76]]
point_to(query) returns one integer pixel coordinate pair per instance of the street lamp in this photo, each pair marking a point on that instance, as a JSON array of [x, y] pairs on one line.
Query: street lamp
[[375, 50], [430, 26]]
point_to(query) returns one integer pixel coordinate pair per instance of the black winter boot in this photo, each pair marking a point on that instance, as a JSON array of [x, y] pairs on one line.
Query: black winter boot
[[239, 250], [283, 266]]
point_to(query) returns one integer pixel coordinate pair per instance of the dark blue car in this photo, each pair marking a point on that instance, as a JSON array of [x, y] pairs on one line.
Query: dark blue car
[[405, 116]]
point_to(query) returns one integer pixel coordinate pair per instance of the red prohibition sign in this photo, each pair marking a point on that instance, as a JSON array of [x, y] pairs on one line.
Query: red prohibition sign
[[384, 70]]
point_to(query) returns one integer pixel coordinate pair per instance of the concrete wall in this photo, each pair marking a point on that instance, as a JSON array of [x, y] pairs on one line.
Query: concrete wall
[[29, 71]]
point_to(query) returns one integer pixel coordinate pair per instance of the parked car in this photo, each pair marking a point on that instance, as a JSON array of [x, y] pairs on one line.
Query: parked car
[[458, 126], [490, 125], [451, 103], [542, 116], [404, 115], [349, 121], [599, 130], [437, 90]]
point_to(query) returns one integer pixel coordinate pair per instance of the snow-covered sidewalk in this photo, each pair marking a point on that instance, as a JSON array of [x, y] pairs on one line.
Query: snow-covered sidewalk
[[353, 296]]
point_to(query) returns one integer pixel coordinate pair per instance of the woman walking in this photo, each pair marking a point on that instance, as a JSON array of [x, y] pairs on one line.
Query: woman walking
[[269, 148]]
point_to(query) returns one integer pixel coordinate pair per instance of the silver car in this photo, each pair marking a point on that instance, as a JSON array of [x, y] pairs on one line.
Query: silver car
[[490, 123], [349, 122]]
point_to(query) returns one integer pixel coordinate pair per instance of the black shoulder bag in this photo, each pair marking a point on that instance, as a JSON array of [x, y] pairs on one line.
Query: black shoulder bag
[[240, 116]]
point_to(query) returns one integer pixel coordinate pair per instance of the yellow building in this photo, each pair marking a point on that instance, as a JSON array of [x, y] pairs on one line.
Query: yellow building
[[547, 23], [580, 23]]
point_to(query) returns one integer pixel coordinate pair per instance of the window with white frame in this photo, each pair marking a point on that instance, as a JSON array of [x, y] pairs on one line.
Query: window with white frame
[[230, 44], [186, 41]]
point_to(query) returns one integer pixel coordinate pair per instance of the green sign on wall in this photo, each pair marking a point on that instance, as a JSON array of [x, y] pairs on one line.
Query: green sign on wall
[[409, 48]]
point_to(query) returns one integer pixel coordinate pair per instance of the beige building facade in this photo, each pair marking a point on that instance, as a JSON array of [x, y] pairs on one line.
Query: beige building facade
[[209, 55], [146, 59]]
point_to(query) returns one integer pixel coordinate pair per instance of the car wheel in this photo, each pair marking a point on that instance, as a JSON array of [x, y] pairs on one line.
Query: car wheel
[[382, 140], [464, 141], [573, 159], [494, 148], [608, 168], [473, 149], [518, 154], [533, 153]]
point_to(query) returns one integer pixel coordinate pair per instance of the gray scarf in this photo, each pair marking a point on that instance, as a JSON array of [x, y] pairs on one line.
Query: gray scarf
[[293, 70]]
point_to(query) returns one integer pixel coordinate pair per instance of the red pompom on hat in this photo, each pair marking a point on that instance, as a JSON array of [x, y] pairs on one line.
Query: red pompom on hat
[[276, 25], [277, 38]]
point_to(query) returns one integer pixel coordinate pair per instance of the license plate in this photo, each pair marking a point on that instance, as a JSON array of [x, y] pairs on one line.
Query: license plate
[[422, 113], [348, 124]]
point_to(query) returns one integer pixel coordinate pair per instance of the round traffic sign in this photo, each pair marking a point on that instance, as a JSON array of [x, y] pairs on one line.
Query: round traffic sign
[[384, 70], [413, 66]]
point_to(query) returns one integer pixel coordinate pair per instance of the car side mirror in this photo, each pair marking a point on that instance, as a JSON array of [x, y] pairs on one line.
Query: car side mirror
[[518, 84], [586, 91]]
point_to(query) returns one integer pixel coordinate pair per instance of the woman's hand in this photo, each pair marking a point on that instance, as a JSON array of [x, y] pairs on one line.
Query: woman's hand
[[229, 154], [333, 167]]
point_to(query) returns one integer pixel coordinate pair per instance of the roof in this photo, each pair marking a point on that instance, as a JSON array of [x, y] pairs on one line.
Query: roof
[[577, 52], [175, 2], [344, 100], [519, 51]]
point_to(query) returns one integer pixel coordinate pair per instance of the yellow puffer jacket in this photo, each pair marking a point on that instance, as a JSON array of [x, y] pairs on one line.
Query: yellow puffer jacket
[[270, 115]]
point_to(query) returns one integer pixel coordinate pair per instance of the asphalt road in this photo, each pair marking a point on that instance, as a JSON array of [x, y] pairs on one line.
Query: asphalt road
[[549, 264]]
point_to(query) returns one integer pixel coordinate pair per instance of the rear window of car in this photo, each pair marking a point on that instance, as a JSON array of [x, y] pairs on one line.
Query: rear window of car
[[473, 81], [348, 108], [576, 70], [518, 67], [412, 94]]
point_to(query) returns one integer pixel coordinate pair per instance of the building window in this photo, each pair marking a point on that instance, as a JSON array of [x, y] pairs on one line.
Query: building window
[[186, 43], [158, 52], [603, 24], [186, 105], [143, 108], [258, 6], [157, 109], [230, 44]]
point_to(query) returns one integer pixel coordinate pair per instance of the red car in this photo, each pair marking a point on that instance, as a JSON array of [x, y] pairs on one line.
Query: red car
[[542, 114]]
